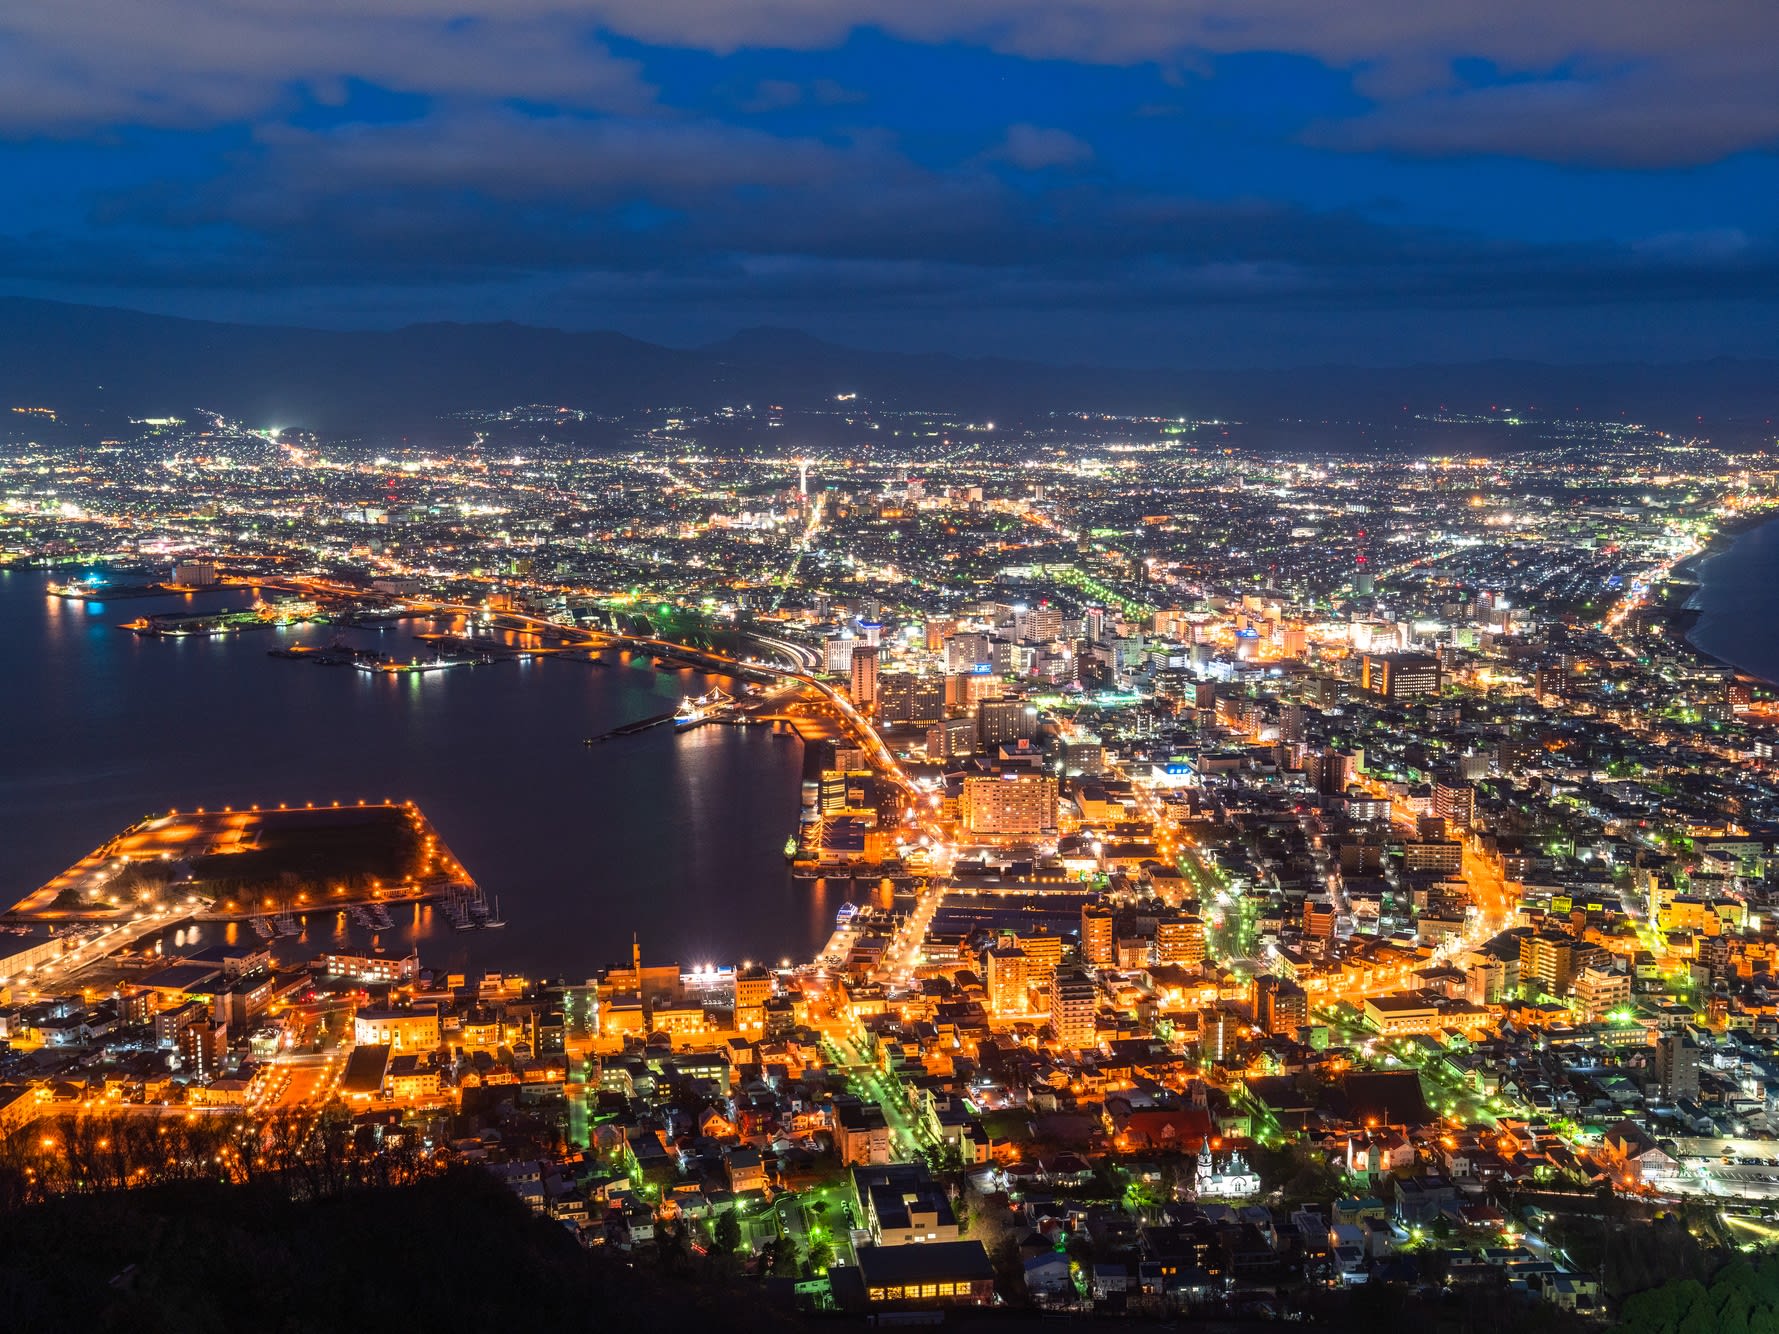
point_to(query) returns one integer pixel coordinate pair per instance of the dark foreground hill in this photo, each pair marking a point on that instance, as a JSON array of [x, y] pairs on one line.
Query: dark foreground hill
[[457, 1252]]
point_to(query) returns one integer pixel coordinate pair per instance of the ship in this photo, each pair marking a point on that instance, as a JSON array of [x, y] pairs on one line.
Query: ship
[[790, 848], [692, 712]]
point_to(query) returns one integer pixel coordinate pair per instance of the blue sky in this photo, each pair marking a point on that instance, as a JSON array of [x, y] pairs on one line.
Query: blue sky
[[1174, 182]]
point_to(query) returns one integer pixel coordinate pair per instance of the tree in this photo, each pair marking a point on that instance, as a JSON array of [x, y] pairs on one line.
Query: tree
[[671, 1246], [726, 1235], [781, 1259], [821, 1257]]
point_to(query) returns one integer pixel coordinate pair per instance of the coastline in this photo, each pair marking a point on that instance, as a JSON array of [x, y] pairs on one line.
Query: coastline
[[1691, 570], [1689, 579]]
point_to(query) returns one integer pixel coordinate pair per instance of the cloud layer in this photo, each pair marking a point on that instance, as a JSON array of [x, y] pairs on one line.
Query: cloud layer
[[999, 155]]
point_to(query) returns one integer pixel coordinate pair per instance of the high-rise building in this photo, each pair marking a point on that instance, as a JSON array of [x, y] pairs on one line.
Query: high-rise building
[[753, 988], [1043, 956], [1009, 804], [1180, 939], [1547, 962], [203, 1047], [951, 738], [1399, 675], [1074, 1009], [903, 697], [1083, 755], [1005, 966], [1219, 1033], [1099, 941], [1318, 919], [837, 654], [1000, 720], [1291, 718], [1677, 1065], [864, 677], [1456, 802], [1041, 625], [965, 653], [1280, 1005], [1598, 992]]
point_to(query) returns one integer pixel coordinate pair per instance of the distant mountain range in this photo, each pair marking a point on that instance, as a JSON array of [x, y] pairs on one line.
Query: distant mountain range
[[99, 362]]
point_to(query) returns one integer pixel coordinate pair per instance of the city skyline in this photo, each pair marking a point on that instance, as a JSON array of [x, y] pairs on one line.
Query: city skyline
[[817, 664]]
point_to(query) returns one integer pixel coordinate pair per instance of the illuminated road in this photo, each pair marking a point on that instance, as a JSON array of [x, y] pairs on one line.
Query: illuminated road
[[871, 1084], [300, 1081]]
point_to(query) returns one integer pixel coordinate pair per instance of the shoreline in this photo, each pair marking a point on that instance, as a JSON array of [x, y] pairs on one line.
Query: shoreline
[[1689, 576]]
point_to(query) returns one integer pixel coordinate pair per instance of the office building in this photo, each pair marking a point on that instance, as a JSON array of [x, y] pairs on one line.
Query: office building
[[1002, 720], [951, 739], [1399, 675], [906, 699]]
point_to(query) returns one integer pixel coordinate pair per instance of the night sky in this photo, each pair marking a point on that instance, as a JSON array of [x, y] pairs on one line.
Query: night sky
[[1172, 182]]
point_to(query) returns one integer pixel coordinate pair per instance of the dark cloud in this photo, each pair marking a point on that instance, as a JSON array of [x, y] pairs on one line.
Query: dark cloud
[[535, 155], [693, 212], [1581, 80]]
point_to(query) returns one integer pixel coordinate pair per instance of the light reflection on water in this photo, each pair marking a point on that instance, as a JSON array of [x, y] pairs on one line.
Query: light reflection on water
[[675, 838]]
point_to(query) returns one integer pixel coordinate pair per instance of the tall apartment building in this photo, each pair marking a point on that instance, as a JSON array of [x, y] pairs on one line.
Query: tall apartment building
[[1005, 970], [1074, 1009], [1008, 805], [1043, 956], [837, 654], [1598, 992], [1456, 802], [1280, 1005], [1318, 919], [864, 677], [1677, 1065], [1099, 940], [1547, 962], [1180, 939]]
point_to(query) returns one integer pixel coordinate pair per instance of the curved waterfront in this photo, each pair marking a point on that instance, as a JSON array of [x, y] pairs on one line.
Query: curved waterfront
[[677, 838], [1738, 602]]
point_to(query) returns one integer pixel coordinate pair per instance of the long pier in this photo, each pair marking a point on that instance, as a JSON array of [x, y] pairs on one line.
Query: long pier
[[630, 729]]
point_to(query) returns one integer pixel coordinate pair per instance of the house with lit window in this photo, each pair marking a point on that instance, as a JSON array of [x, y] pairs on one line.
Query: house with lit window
[[939, 1273]]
